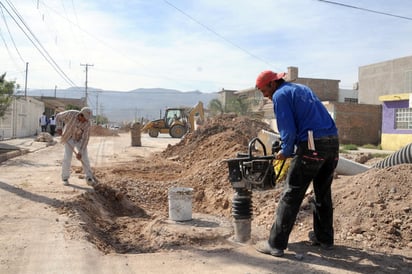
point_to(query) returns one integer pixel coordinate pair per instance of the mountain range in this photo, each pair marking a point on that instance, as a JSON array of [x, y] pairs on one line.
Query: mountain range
[[126, 106]]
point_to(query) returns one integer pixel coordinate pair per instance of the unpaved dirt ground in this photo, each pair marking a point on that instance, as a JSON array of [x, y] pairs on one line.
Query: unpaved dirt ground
[[123, 226]]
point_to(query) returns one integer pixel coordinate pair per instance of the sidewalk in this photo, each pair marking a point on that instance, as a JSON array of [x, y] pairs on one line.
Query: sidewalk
[[370, 150], [16, 147]]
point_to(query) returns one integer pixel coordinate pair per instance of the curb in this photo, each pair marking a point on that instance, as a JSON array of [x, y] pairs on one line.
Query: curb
[[15, 153]]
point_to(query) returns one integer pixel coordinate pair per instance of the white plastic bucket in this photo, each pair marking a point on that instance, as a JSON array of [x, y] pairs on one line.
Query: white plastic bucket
[[180, 203]]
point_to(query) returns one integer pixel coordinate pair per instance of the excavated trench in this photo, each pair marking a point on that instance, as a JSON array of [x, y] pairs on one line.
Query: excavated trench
[[128, 213]]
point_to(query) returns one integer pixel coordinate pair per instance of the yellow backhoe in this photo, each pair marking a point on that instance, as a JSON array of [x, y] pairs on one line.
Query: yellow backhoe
[[176, 121]]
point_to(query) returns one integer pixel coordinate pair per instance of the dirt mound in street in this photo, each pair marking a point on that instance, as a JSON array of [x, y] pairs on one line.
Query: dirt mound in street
[[129, 212], [102, 131]]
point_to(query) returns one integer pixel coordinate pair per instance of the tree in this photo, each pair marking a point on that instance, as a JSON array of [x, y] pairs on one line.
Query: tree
[[236, 105], [6, 92], [70, 107], [101, 120]]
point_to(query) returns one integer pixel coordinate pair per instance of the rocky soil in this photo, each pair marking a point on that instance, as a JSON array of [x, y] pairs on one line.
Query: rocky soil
[[128, 211]]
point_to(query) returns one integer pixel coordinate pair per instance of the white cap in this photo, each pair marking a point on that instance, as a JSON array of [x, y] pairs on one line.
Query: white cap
[[87, 113]]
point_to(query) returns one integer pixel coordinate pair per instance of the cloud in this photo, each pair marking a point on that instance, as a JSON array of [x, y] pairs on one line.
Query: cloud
[[201, 45]]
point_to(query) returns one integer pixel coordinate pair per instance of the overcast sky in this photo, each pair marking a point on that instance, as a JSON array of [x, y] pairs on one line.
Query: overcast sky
[[203, 45]]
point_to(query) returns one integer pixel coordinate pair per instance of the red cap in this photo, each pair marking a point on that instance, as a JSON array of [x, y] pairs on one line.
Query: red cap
[[267, 76]]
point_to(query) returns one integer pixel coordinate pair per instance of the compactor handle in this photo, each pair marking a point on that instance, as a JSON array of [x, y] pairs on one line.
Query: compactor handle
[[252, 142]]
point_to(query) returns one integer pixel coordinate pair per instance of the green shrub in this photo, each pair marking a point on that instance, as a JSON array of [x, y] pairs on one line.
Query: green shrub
[[369, 146], [350, 147], [380, 155]]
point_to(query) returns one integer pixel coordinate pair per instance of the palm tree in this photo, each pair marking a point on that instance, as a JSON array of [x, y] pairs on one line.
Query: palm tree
[[216, 107], [237, 105]]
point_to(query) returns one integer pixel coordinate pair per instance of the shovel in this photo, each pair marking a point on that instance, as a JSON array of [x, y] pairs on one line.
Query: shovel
[[83, 165]]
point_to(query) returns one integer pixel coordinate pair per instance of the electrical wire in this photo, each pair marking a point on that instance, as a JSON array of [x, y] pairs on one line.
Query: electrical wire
[[77, 23], [11, 37], [51, 30], [129, 58], [37, 44], [368, 10], [217, 34], [8, 49]]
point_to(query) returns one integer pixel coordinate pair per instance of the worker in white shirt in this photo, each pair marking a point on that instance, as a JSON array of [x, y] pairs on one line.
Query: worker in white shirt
[[52, 123], [43, 122], [75, 134]]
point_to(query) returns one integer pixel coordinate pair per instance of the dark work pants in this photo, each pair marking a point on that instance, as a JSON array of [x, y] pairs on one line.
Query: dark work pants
[[52, 130], [317, 166]]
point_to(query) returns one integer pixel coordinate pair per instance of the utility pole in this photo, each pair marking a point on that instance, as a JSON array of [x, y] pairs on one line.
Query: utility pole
[[97, 105], [55, 88], [87, 69], [25, 83]]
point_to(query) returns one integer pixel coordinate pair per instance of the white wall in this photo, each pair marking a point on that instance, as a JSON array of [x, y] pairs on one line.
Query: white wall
[[22, 118], [347, 93]]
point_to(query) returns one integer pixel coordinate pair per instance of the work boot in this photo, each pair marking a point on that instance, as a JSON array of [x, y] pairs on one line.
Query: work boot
[[66, 182], [315, 242], [90, 181], [265, 248]]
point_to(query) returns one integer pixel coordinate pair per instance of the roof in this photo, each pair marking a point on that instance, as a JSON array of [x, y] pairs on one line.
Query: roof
[[59, 104], [395, 97]]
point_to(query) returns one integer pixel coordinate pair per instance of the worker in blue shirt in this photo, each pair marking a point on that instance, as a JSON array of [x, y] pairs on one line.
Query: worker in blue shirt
[[309, 135]]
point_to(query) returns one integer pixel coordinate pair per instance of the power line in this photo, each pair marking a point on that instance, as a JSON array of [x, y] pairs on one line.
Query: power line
[[216, 33], [11, 37], [41, 50], [134, 60], [368, 10]]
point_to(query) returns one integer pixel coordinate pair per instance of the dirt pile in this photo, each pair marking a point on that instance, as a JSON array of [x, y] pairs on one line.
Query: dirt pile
[[372, 210], [44, 137], [102, 131]]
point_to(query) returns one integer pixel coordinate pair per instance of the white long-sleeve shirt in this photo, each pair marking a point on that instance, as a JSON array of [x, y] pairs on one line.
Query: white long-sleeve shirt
[[52, 121], [73, 128], [43, 120]]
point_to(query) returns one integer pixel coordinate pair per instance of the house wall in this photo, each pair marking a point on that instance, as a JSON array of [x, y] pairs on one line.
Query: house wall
[[225, 96], [325, 89], [389, 77], [22, 118], [358, 124], [347, 94], [388, 119], [392, 138], [395, 141]]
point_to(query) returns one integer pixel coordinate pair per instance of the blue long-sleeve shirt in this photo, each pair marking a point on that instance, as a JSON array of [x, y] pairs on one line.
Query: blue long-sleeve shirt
[[297, 110]]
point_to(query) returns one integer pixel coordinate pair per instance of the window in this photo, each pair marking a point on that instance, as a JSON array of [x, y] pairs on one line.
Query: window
[[403, 118], [351, 100]]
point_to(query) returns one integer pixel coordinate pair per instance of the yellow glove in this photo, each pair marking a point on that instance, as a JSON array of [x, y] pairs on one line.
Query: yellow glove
[[277, 165]]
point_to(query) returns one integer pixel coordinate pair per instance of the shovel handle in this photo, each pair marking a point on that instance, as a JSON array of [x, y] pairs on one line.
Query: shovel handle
[[81, 160]]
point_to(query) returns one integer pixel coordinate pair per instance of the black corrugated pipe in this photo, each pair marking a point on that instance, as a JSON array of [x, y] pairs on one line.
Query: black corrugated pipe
[[402, 156]]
